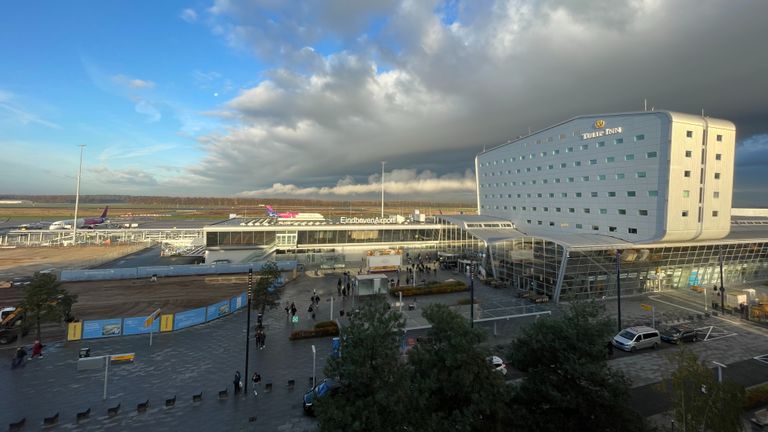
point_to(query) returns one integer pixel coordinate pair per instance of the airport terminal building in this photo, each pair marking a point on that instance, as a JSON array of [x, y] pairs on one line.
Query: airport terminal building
[[645, 197]]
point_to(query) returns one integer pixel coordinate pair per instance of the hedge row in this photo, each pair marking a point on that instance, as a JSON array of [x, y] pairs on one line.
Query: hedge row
[[322, 329], [756, 396], [430, 288]]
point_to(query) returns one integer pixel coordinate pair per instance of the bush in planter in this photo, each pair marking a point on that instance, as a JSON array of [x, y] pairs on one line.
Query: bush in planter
[[322, 329], [433, 288], [756, 396]]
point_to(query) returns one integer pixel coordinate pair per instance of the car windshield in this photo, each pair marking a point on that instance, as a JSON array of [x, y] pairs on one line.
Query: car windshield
[[322, 388], [626, 334]]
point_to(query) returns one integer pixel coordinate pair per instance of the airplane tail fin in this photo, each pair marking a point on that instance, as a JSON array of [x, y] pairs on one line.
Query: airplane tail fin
[[104, 214], [271, 211]]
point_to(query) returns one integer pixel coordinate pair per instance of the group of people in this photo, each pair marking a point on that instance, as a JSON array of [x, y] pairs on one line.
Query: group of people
[[237, 382], [344, 285], [21, 354]]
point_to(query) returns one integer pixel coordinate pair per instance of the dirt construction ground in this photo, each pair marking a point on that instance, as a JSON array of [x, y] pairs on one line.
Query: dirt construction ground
[[26, 261], [119, 298]]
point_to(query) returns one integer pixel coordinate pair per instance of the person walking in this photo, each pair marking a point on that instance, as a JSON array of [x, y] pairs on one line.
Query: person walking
[[262, 340], [18, 359], [37, 349], [338, 287], [293, 309], [256, 379], [287, 309], [236, 382]]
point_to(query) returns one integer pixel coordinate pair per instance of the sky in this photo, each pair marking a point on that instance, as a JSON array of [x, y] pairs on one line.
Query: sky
[[271, 98]]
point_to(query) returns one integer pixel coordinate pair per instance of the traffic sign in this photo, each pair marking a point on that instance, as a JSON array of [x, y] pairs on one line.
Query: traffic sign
[[646, 307], [151, 318]]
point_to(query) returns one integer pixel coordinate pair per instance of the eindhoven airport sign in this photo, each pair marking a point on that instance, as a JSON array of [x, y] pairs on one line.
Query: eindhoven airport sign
[[368, 221]]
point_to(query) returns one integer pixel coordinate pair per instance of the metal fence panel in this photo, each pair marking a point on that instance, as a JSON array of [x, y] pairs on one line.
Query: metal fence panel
[[168, 271]]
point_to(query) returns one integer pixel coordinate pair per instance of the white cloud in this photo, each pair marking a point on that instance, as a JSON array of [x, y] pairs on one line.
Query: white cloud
[[146, 108], [188, 15], [127, 176], [133, 83]]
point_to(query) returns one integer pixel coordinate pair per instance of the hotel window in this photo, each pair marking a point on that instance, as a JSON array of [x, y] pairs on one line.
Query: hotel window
[[543, 154], [686, 194], [528, 169], [595, 228], [642, 212], [632, 230], [546, 209], [653, 193], [686, 173], [518, 195], [593, 194], [528, 221], [719, 138], [600, 144], [558, 209], [551, 223], [593, 161], [715, 194], [631, 194], [533, 208], [569, 150], [550, 166], [538, 141], [717, 176], [618, 141], [528, 195], [718, 156], [577, 163], [538, 195], [538, 168], [651, 155], [610, 159], [517, 171], [620, 176], [545, 181], [640, 137], [689, 134], [715, 213], [585, 178], [550, 139], [640, 174], [556, 151], [571, 210], [524, 208], [612, 229], [505, 207], [629, 157], [603, 211], [622, 212], [557, 180], [522, 157], [684, 213], [570, 179], [551, 194], [509, 195], [531, 156], [601, 177], [688, 153], [563, 165], [585, 146], [514, 208], [579, 226], [578, 194], [586, 210], [563, 194], [611, 194], [562, 136]]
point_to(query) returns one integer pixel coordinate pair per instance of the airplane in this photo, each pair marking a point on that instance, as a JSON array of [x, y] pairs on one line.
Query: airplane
[[88, 223], [284, 215]]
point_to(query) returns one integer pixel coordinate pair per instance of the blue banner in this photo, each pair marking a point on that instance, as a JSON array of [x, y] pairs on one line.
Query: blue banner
[[217, 310], [135, 325], [188, 318], [102, 328], [236, 303]]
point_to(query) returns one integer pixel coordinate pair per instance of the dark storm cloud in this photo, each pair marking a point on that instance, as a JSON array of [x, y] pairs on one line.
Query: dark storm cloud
[[427, 92]]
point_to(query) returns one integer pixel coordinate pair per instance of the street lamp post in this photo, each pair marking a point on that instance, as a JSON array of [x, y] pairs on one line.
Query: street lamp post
[[77, 196], [618, 285], [314, 364], [248, 330], [382, 188], [722, 289], [472, 296]]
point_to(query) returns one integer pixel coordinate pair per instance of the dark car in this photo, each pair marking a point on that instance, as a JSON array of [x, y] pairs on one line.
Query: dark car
[[326, 386], [678, 333]]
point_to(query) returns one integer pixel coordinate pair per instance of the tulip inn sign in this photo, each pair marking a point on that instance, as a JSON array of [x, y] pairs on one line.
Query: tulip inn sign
[[601, 131]]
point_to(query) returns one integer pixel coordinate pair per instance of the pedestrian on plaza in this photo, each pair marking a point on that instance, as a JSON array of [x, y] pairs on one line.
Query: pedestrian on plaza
[[236, 382], [349, 288], [311, 310], [287, 309], [293, 309], [260, 320], [37, 349], [435, 270], [18, 359], [256, 379], [609, 346], [317, 300], [263, 340]]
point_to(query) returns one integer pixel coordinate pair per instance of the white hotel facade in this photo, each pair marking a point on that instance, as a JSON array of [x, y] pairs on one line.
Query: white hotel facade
[[642, 177]]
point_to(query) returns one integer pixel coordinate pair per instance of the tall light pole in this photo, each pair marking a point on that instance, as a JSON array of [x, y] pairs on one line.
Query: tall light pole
[[248, 330], [77, 196], [382, 188], [314, 356], [618, 285], [722, 289]]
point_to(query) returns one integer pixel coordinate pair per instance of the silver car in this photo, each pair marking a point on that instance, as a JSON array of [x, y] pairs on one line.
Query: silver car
[[635, 338]]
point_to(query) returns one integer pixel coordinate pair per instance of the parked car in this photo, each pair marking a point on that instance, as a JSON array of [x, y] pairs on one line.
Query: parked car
[[326, 386], [497, 364], [635, 338], [679, 333]]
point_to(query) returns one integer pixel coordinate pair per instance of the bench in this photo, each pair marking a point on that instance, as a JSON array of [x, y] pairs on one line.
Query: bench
[[268, 387], [113, 411], [170, 402], [17, 426], [83, 415], [223, 394], [291, 384], [143, 406], [198, 397], [52, 420]]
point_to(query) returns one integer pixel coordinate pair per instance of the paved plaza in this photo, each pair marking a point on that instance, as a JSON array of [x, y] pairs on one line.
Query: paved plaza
[[205, 358]]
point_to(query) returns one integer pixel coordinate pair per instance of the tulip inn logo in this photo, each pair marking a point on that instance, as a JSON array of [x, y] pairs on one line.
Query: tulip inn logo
[[603, 131]]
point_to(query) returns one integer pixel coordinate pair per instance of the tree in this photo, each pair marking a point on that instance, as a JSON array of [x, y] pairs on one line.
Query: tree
[[453, 386], [569, 385], [263, 292], [45, 300], [701, 401], [374, 393]]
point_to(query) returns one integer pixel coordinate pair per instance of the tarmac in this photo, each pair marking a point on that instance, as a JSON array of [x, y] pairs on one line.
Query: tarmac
[[203, 359]]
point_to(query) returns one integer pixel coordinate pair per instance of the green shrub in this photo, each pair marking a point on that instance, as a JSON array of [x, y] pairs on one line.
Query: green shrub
[[326, 324], [466, 301], [316, 332], [434, 288], [756, 396]]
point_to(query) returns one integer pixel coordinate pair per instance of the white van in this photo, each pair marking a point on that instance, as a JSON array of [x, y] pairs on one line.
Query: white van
[[635, 338]]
